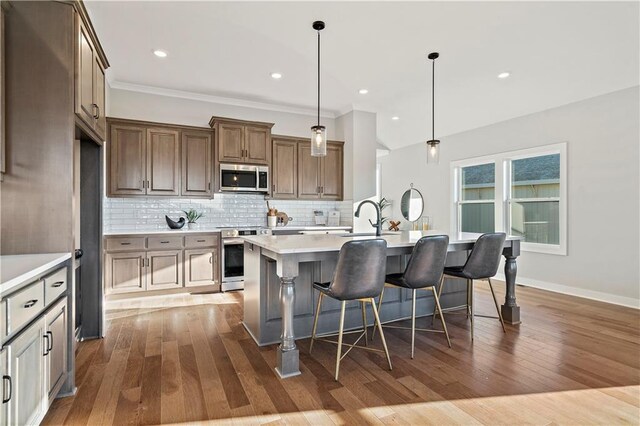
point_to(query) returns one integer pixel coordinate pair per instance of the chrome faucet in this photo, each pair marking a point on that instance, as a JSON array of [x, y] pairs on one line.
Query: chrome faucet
[[378, 224]]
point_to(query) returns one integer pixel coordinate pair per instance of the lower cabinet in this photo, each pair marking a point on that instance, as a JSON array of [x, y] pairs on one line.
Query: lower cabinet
[[5, 387], [164, 269], [124, 272], [56, 350], [201, 267], [188, 261], [28, 398]]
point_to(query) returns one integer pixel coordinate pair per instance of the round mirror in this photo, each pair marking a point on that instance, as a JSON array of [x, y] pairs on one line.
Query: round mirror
[[412, 204]]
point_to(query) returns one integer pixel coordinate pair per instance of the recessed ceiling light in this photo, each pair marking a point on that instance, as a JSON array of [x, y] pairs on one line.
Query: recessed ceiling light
[[504, 74], [363, 91], [276, 75], [395, 118], [160, 53]]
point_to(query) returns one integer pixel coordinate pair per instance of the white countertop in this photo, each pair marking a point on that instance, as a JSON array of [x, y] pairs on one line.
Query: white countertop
[[288, 244], [21, 268], [156, 231], [310, 228]]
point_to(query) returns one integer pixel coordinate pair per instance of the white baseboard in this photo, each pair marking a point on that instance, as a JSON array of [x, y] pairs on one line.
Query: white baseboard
[[574, 291]]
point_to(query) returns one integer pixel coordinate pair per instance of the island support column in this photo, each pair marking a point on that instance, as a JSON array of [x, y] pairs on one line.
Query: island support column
[[510, 310], [287, 354]]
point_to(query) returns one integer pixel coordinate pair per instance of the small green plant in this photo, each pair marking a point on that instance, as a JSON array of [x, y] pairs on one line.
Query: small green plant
[[192, 215], [383, 204]]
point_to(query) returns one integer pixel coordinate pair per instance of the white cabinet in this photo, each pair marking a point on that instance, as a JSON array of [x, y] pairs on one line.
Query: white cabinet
[[27, 371], [5, 388], [56, 350]]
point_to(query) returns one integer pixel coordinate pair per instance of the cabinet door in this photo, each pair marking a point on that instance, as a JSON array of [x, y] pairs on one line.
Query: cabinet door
[[56, 358], [85, 54], [331, 173], [230, 143], [98, 99], [201, 267], [284, 170], [125, 272], [163, 162], [308, 172], [197, 159], [5, 386], [256, 145], [28, 399], [127, 156], [164, 269]]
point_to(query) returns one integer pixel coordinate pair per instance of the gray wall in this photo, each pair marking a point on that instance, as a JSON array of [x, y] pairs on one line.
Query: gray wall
[[603, 138]]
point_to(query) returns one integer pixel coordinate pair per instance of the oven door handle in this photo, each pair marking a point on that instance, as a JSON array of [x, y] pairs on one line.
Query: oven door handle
[[228, 241]]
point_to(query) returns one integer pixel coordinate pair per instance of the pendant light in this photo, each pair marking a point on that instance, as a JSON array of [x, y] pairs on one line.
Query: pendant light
[[433, 145], [318, 132]]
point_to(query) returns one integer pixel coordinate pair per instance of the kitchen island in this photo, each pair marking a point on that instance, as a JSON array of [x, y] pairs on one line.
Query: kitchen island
[[279, 299]]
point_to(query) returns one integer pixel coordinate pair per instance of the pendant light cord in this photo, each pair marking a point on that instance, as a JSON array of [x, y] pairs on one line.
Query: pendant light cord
[[433, 99], [318, 78]]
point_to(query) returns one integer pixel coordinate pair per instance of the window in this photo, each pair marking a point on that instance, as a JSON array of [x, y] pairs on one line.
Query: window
[[529, 199]]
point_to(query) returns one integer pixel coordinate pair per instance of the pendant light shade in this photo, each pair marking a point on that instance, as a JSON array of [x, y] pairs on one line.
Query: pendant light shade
[[433, 145], [318, 132]]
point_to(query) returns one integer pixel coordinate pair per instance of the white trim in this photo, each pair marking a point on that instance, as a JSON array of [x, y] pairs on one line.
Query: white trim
[[220, 99], [575, 291]]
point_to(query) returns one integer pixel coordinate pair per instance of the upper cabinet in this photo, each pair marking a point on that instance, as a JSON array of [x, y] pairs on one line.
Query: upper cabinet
[[298, 175], [245, 142], [90, 81], [156, 159]]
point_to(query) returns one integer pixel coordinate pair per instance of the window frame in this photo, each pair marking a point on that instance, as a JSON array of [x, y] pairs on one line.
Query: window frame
[[503, 195]]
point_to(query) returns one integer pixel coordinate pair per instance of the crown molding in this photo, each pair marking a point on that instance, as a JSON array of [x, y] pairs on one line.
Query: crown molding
[[114, 84]]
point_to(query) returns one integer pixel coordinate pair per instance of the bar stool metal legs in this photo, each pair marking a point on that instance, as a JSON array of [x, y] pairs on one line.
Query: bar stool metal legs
[[363, 333], [493, 293]]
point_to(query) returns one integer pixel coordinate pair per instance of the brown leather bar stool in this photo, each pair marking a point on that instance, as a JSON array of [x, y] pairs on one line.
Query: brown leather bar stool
[[359, 276], [482, 264], [423, 272]]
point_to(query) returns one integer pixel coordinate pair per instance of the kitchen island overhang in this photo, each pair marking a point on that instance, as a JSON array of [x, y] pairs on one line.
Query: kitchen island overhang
[[279, 299]]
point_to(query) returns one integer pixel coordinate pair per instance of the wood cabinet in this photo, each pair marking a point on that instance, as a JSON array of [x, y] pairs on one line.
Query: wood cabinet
[[125, 272], [164, 269], [298, 175], [197, 164], [56, 350], [163, 162], [90, 84], [127, 160], [160, 160], [244, 142], [201, 267], [284, 169], [161, 262], [27, 371]]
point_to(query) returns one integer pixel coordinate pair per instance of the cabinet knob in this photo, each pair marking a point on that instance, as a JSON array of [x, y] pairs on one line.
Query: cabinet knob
[[57, 284], [96, 114]]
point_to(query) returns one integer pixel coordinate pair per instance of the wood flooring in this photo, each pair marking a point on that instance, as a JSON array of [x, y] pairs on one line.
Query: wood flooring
[[182, 359]]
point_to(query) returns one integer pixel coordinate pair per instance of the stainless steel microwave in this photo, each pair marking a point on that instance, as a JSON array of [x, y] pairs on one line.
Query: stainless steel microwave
[[244, 178]]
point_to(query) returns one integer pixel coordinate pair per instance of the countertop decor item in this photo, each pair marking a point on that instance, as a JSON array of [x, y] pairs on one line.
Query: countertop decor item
[[394, 225], [192, 217], [283, 218], [173, 224], [412, 205]]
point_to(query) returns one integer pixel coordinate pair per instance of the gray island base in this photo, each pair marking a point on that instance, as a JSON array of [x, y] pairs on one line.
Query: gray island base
[[279, 299]]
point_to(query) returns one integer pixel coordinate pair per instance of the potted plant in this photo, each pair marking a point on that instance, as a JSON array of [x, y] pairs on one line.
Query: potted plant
[[192, 217]]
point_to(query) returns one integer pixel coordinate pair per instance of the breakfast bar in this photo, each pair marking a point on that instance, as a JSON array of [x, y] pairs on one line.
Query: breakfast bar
[[279, 299]]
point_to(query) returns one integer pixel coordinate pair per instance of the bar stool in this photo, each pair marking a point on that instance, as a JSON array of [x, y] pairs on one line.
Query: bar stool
[[359, 276], [482, 264], [423, 272]]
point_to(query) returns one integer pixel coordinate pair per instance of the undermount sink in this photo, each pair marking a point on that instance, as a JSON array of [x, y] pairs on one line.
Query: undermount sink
[[364, 234]]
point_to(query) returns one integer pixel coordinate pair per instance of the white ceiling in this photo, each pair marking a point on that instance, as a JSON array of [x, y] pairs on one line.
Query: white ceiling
[[557, 53]]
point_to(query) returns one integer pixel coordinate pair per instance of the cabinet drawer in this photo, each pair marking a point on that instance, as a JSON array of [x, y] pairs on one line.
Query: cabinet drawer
[[54, 285], [155, 243], [24, 306], [193, 241], [118, 244]]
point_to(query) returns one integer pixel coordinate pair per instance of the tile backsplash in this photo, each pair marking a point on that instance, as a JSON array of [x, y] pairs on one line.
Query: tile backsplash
[[142, 213]]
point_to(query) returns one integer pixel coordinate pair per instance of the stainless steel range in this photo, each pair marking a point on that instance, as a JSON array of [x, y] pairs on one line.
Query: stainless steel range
[[233, 255]]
